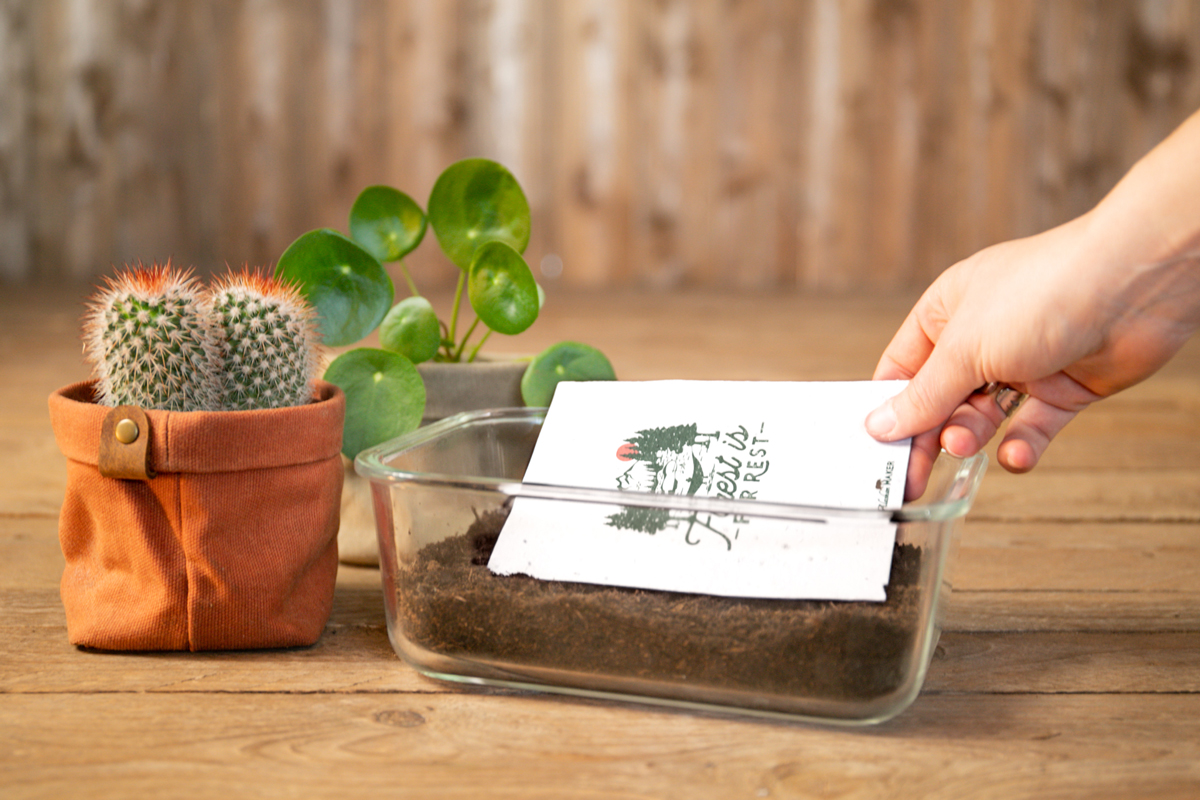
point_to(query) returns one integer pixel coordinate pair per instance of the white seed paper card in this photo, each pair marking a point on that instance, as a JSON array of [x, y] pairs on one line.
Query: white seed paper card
[[779, 442]]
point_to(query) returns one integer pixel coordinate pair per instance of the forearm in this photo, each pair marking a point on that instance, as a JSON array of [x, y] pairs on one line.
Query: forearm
[[1068, 316], [1153, 214]]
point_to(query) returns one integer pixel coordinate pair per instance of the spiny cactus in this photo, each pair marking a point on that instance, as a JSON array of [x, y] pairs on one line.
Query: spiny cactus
[[268, 337], [150, 339], [158, 339]]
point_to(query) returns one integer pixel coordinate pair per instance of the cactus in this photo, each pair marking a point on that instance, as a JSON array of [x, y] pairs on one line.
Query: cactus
[[158, 339], [150, 340], [268, 335]]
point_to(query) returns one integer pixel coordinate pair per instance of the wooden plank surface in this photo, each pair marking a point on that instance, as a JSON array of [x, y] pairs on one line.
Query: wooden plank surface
[[1069, 665], [824, 143], [462, 745]]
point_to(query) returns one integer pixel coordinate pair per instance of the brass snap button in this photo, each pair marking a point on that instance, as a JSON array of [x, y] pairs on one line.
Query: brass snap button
[[125, 437], [126, 431]]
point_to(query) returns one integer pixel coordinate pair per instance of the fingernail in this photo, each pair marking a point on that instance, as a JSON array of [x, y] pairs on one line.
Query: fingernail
[[882, 420], [950, 449]]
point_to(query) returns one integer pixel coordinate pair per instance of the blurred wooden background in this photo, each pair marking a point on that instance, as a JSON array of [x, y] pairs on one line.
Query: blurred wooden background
[[828, 144]]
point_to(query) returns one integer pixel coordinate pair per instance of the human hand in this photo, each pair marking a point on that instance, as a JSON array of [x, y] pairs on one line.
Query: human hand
[[1055, 317]]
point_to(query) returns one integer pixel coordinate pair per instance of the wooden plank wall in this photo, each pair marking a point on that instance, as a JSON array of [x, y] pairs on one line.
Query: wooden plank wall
[[827, 144]]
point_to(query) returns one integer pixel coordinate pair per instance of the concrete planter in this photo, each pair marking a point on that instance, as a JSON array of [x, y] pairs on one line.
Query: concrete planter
[[449, 389]]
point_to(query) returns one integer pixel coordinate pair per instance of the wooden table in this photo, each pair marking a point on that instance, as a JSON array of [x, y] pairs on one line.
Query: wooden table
[[1070, 666]]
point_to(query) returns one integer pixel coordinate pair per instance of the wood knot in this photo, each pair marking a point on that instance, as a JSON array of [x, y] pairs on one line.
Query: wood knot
[[399, 718]]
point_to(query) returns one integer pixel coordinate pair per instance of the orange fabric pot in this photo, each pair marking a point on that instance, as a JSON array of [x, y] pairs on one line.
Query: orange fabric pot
[[231, 544]]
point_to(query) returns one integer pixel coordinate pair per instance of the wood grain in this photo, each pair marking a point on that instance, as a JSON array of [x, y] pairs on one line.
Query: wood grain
[[1068, 664], [469, 745], [590, 143], [832, 144]]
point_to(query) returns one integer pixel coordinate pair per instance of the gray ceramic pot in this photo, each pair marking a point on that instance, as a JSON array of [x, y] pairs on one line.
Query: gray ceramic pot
[[453, 388], [449, 389]]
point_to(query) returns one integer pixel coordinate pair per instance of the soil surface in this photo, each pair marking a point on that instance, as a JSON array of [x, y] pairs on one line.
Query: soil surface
[[450, 603]]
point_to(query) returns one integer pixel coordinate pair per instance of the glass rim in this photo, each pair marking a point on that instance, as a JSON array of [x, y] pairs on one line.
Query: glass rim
[[372, 465]]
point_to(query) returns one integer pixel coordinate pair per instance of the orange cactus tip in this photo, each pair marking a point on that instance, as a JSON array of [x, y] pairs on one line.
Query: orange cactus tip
[[147, 284], [261, 282]]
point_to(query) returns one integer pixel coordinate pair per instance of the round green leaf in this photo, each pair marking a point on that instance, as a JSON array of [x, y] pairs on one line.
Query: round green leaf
[[348, 286], [565, 361], [386, 222], [477, 201], [385, 396], [411, 329], [502, 289]]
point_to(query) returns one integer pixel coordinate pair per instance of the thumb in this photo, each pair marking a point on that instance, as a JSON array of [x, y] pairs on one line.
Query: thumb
[[925, 403]]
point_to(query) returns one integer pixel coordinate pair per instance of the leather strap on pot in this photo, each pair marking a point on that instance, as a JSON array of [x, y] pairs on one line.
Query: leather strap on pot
[[125, 444]]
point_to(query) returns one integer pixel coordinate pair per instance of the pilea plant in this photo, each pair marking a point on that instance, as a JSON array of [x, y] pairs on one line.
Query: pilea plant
[[481, 220], [158, 338]]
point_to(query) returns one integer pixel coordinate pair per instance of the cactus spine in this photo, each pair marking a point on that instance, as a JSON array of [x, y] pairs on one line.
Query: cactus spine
[[149, 337], [158, 339], [268, 341]]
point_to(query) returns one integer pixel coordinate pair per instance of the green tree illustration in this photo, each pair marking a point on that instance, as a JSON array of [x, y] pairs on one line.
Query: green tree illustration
[[640, 519], [673, 438]]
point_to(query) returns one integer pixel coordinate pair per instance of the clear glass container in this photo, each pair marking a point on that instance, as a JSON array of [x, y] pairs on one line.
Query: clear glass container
[[441, 494]]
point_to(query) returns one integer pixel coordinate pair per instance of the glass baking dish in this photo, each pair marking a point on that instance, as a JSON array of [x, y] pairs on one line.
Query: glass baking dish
[[441, 494]]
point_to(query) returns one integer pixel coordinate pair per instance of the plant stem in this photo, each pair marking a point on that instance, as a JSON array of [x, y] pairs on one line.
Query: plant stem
[[463, 344], [447, 347], [475, 351], [458, 292], [412, 287]]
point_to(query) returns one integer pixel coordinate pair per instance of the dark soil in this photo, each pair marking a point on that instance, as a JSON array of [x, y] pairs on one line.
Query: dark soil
[[450, 603]]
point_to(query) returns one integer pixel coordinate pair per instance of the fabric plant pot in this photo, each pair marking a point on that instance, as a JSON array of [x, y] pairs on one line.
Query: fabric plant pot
[[198, 530]]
